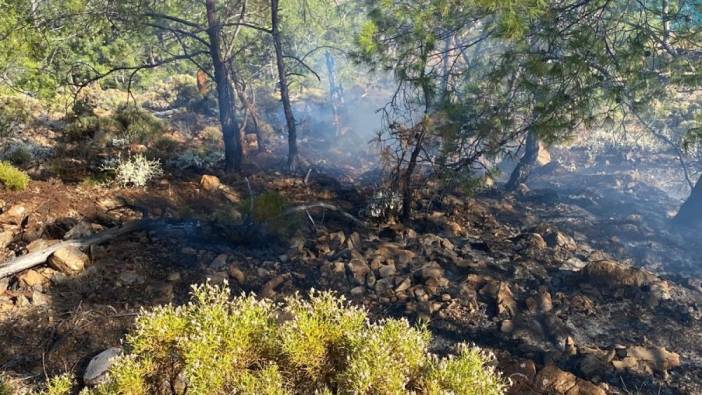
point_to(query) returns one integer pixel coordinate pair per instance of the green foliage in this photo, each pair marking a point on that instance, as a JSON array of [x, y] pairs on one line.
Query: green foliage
[[138, 124], [59, 385], [214, 345], [268, 208], [12, 177], [15, 112], [5, 387]]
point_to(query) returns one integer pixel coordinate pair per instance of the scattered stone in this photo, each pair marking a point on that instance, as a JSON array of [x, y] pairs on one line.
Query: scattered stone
[[6, 238], [268, 290], [82, 229], [505, 301], [615, 274], [236, 274], [521, 374], [96, 372], [386, 271], [358, 291], [553, 380], [359, 268], [210, 183], [69, 260], [15, 215], [174, 277], [131, 277], [644, 360], [188, 251], [558, 239], [404, 285], [219, 262], [39, 299], [32, 279], [432, 270]]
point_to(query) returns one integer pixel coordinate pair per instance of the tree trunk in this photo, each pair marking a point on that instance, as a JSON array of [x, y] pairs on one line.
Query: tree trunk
[[526, 163], [690, 213], [406, 178], [250, 108], [283, 82], [334, 92], [227, 113]]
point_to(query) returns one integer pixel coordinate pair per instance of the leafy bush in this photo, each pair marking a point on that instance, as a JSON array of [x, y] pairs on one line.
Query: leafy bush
[[5, 387], [12, 177], [136, 171], [128, 121], [201, 159], [137, 123], [268, 208], [215, 345], [14, 113]]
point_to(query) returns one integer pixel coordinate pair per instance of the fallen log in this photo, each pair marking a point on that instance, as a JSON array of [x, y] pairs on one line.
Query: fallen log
[[30, 260], [327, 206]]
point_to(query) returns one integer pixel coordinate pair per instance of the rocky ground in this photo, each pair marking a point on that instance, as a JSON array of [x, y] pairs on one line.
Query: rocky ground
[[561, 315], [576, 282]]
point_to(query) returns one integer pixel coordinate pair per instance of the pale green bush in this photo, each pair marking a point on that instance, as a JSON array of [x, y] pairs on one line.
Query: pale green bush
[[12, 177], [136, 171], [214, 345]]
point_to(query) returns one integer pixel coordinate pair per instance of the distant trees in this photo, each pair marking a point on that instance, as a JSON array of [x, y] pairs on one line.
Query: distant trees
[[517, 72]]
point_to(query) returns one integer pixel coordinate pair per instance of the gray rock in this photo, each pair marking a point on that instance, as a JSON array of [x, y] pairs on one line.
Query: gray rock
[[97, 369]]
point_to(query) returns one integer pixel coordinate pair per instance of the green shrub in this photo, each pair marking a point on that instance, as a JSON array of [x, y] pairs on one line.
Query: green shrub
[[268, 208], [5, 387], [215, 345], [14, 113], [137, 123], [12, 177]]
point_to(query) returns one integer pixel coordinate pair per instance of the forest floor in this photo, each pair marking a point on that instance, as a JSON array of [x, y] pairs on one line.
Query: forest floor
[[576, 282]]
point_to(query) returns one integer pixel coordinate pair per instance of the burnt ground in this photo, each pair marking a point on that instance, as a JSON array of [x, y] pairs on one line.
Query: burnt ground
[[547, 278]]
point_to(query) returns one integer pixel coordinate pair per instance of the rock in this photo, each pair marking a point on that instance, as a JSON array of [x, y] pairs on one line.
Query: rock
[[358, 291], [386, 271], [174, 277], [69, 260], [210, 183], [4, 283], [96, 372], [131, 277], [644, 360], [522, 375], [359, 268], [268, 290], [584, 387], [6, 238], [404, 285], [505, 301], [39, 299], [188, 251], [82, 229], [219, 262], [15, 215], [32, 278], [615, 274], [432, 270], [551, 379], [236, 274], [558, 239], [536, 241]]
